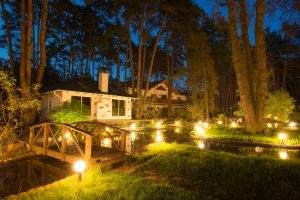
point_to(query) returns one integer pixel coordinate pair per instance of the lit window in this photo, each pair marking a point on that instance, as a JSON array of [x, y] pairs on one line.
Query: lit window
[[118, 107]]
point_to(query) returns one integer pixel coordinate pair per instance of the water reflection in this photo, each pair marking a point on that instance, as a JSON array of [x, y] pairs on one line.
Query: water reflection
[[28, 174]]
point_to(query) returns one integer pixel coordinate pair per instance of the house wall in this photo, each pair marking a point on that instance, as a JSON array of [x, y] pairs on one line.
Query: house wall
[[101, 104]]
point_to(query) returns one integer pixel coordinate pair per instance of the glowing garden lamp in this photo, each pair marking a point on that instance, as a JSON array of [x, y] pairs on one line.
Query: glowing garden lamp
[[177, 130], [233, 124], [158, 124], [205, 124], [106, 142], [220, 122], [275, 118], [158, 137], [133, 136], [177, 123], [292, 124], [107, 129], [79, 167], [259, 150], [240, 120], [200, 122], [133, 126], [282, 136], [276, 125], [201, 145], [283, 155]]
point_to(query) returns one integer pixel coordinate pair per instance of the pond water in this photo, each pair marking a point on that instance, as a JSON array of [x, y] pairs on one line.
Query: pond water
[[31, 173]]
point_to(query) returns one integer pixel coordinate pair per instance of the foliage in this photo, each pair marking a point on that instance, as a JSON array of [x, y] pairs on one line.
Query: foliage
[[194, 109], [11, 107], [279, 104], [70, 112]]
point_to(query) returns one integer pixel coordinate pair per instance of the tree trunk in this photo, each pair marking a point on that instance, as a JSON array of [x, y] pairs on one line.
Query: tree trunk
[[261, 88], [9, 40], [238, 61], [41, 67], [29, 42], [23, 81], [118, 63]]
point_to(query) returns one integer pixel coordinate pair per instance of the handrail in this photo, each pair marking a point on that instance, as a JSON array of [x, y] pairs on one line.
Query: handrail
[[101, 123]]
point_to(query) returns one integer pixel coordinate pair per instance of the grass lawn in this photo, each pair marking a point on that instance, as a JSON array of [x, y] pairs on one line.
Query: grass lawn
[[174, 171], [240, 134]]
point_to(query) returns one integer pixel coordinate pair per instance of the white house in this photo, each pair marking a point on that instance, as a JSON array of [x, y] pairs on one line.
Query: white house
[[105, 103], [157, 96]]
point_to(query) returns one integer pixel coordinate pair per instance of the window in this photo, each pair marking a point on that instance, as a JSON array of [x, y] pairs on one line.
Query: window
[[118, 107], [164, 96], [83, 102]]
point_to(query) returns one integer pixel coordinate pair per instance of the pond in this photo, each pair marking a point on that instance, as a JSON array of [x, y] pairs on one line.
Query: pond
[[31, 173]]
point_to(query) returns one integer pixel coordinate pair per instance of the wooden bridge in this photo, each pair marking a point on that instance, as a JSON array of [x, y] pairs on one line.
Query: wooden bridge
[[94, 142]]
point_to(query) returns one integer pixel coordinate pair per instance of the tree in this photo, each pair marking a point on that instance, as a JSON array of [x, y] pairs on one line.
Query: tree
[[279, 104], [252, 95]]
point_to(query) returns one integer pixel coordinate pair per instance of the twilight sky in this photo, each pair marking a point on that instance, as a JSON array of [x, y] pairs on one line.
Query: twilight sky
[[273, 21]]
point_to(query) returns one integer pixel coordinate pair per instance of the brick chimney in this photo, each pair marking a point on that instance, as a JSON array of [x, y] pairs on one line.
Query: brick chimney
[[103, 80]]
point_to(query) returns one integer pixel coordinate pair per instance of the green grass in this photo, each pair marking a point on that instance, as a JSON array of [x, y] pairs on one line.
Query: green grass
[[240, 134], [110, 185], [226, 175]]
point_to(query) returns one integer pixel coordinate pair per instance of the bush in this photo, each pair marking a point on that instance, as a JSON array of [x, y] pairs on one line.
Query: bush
[[70, 112]]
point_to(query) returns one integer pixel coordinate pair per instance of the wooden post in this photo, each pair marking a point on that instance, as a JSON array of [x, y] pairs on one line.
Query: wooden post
[[99, 130], [64, 131], [31, 136], [45, 140], [123, 141], [88, 148]]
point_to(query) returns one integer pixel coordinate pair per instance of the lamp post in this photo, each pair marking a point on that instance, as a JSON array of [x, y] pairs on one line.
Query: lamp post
[[282, 136], [79, 167]]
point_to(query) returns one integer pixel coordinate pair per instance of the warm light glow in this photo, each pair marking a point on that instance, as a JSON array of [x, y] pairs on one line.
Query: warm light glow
[[177, 123], [220, 122], [201, 145], [282, 136], [177, 130], [283, 155], [233, 124], [259, 149], [269, 115], [67, 135], [133, 135], [158, 138], [200, 130], [79, 166], [106, 141], [107, 129], [292, 124], [269, 125], [276, 125], [240, 119], [200, 122], [205, 124], [158, 124], [133, 126], [275, 117]]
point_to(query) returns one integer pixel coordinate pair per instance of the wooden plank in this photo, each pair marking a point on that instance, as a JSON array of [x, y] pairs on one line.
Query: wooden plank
[[31, 135], [77, 145], [88, 148], [45, 141], [63, 147]]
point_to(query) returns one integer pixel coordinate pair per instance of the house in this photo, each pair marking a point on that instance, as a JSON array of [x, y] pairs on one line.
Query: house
[[157, 97], [104, 102]]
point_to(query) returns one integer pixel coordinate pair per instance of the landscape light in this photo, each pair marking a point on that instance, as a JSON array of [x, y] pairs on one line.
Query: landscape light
[[106, 141], [200, 122], [107, 129], [275, 117], [269, 115], [158, 137], [240, 120], [158, 124], [292, 124], [259, 150], [282, 136], [133, 126], [177, 123], [177, 130], [79, 167], [133, 135], [276, 125], [283, 155], [220, 122], [269, 125], [205, 124], [67, 135], [201, 145], [233, 124], [200, 130]]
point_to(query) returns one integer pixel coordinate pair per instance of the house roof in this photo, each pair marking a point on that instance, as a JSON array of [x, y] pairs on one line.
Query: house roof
[[154, 84], [85, 85]]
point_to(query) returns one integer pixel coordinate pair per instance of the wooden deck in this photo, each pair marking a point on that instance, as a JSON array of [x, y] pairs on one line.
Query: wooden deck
[[93, 142]]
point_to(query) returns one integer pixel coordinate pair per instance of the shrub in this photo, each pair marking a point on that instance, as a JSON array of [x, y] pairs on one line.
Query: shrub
[[70, 112]]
